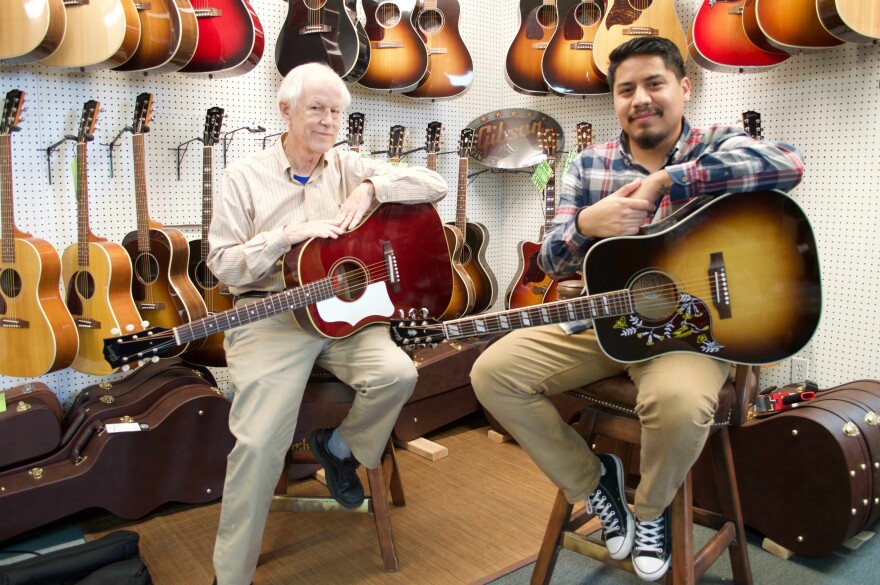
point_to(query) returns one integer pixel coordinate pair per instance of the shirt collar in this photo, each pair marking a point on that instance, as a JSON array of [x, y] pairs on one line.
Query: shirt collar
[[283, 164]]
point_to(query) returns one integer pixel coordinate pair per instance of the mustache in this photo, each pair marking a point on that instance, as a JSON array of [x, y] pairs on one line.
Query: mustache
[[646, 110]]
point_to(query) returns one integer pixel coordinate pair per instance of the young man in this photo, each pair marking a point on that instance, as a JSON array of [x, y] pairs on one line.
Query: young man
[[300, 188], [658, 163]]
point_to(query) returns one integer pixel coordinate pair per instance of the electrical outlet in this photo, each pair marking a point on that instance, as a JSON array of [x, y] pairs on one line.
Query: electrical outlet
[[800, 369]]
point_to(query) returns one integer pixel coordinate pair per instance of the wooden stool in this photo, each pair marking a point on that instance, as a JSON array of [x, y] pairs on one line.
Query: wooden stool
[[609, 413], [326, 401]]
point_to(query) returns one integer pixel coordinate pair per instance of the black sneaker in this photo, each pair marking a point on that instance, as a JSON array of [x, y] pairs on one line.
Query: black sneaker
[[608, 502], [651, 551], [342, 480]]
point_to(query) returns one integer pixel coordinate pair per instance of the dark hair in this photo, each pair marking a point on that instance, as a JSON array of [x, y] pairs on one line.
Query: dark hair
[[659, 46]]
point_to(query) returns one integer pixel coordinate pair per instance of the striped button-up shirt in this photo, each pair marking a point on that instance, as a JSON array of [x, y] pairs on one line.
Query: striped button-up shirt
[[721, 159], [259, 196]]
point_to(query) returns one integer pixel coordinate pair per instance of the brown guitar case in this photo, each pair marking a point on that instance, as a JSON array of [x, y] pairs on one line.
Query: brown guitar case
[[809, 477], [30, 426], [177, 453]]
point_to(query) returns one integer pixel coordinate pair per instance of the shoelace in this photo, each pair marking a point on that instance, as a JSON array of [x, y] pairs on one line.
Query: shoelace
[[649, 536], [600, 505]]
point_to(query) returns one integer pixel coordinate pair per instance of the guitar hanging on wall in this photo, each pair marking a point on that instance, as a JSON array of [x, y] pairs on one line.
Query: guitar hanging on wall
[[854, 21], [568, 65], [37, 334], [231, 39], [96, 272], [398, 56], [450, 67], [31, 30], [169, 34], [537, 23], [792, 26]]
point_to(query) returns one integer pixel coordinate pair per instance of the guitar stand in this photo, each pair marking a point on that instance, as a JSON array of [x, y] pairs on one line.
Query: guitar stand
[[52, 149]]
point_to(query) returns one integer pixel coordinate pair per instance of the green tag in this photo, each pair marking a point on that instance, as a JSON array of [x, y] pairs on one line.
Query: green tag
[[73, 172], [2, 402], [541, 176], [400, 164], [568, 160], [366, 154]]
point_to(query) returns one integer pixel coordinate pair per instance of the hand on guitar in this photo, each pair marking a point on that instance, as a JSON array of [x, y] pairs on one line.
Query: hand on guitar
[[322, 228], [619, 214], [356, 205]]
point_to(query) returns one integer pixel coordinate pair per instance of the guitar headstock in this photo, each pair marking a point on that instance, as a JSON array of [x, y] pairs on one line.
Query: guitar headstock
[[12, 110], [465, 142], [135, 347], [549, 142], [432, 138], [213, 123], [355, 130], [142, 110], [396, 138], [752, 124], [87, 122], [584, 133], [416, 333]]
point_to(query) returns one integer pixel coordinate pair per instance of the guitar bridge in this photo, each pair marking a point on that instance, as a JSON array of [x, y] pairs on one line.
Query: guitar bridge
[[718, 285], [391, 267], [83, 323], [7, 323]]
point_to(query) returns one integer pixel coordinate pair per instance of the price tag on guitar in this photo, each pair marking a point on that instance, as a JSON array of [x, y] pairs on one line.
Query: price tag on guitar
[[2, 403], [541, 176]]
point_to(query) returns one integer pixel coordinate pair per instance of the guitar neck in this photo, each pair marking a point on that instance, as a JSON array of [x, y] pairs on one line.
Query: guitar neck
[[610, 304], [549, 199], [461, 204], [7, 220], [207, 197], [140, 189], [82, 204]]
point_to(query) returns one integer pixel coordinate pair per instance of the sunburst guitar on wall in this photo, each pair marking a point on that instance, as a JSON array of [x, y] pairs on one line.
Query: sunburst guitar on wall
[[398, 56], [717, 40], [450, 67], [537, 23], [323, 30], [231, 39], [37, 334], [162, 290], [627, 19], [96, 272], [854, 21], [169, 34], [30, 30], [216, 296], [99, 34], [792, 26], [568, 66]]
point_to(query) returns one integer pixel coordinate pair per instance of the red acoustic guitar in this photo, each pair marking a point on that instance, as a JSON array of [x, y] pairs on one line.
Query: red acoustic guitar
[[450, 67], [398, 56], [395, 258], [231, 39], [717, 40], [568, 66], [537, 23], [37, 334]]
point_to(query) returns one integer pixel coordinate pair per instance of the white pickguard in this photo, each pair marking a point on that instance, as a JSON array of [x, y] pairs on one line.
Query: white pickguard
[[374, 301]]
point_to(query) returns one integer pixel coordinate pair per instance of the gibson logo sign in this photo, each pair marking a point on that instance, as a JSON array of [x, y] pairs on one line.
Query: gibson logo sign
[[511, 138]]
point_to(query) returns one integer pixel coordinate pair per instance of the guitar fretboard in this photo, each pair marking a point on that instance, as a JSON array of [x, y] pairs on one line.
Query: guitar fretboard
[[7, 221], [207, 197], [549, 199], [461, 203], [82, 204], [140, 189]]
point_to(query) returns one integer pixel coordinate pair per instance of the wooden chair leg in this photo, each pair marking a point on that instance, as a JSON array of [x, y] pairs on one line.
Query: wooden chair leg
[[730, 505], [552, 539], [682, 520], [379, 498], [394, 483]]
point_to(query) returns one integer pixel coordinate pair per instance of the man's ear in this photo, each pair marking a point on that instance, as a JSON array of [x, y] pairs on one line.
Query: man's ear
[[686, 89], [284, 108]]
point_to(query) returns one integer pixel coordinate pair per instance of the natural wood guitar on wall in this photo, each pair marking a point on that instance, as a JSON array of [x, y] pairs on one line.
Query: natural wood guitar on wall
[[30, 30], [37, 334], [99, 34]]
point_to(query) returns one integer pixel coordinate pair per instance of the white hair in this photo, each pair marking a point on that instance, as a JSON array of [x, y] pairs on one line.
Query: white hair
[[291, 89]]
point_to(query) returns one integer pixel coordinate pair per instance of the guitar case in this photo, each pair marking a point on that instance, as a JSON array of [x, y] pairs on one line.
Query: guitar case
[[175, 451], [809, 477], [30, 426]]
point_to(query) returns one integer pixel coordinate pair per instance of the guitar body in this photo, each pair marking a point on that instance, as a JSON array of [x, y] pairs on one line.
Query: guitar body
[[623, 22], [854, 21], [230, 43], [99, 34], [398, 56], [415, 234], [338, 40], [168, 37], [537, 23], [217, 299], [568, 66], [463, 294], [793, 25], [450, 66], [473, 259], [30, 30], [37, 334], [99, 299], [717, 40], [531, 285], [763, 244], [161, 288]]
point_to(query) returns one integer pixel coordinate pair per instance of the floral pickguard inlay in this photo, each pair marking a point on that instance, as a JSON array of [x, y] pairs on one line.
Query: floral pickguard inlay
[[691, 317]]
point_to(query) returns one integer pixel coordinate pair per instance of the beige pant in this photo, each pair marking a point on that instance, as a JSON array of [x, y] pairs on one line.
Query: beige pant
[[269, 365], [678, 395]]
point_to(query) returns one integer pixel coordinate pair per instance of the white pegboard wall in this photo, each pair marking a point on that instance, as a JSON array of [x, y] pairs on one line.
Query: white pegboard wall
[[825, 103]]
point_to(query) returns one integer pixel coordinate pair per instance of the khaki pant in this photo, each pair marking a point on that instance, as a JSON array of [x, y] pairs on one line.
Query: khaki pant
[[269, 366], [678, 395]]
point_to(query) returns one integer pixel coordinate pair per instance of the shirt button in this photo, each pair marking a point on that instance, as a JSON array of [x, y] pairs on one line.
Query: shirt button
[[684, 179]]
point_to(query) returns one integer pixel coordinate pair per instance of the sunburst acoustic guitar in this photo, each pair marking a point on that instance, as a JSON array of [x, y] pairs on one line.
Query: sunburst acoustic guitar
[[568, 66], [537, 23], [96, 272], [450, 67], [30, 30], [37, 334], [792, 26], [169, 34], [163, 293], [398, 56]]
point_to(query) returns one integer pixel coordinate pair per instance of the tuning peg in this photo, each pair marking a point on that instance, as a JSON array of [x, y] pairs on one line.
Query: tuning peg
[[145, 324], [411, 314], [125, 368], [424, 312], [129, 327], [115, 331], [400, 313], [155, 359]]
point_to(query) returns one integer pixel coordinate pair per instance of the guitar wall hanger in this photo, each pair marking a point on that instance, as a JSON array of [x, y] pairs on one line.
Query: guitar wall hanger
[[113, 142], [228, 136], [52, 148], [185, 147]]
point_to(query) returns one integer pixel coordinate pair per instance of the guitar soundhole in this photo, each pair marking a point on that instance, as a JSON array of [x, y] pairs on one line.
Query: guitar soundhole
[[314, 4], [431, 21], [349, 279], [388, 15], [546, 16], [85, 285], [587, 14], [10, 283], [639, 5], [654, 294], [205, 278], [147, 268]]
